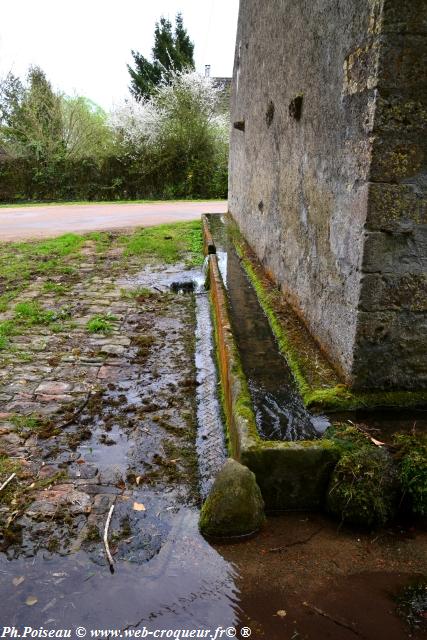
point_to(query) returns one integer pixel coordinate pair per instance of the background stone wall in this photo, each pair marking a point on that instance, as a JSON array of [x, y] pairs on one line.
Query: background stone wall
[[328, 173]]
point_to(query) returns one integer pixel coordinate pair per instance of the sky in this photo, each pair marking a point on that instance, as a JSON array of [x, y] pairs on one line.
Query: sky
[[84, 45]]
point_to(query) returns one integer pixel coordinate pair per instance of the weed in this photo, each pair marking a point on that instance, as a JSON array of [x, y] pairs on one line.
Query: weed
[[101, 324], [7, 467], [44, 427], [31, 313], [140, 293], [55, 287]]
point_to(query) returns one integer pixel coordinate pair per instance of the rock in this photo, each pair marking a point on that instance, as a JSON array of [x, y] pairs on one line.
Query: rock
[[53, 388], [113, 349], [234, 506], [49, 501]]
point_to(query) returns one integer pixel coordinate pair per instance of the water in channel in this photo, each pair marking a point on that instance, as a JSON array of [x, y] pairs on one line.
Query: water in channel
[[279, 410]]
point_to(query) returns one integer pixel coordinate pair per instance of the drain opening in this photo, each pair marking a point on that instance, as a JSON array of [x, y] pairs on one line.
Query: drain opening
[[182, 287]]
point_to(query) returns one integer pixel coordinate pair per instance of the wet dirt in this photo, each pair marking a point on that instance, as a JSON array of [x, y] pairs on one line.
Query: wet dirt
[[304, 578]]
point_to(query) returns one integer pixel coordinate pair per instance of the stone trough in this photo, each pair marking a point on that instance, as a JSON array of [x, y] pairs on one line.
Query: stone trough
[[290, 474]]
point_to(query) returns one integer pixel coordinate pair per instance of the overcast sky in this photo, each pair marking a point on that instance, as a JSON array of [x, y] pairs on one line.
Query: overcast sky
[[84, 45]]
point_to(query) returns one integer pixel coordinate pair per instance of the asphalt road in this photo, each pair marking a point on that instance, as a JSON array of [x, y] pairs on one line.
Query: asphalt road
[[24, 223]]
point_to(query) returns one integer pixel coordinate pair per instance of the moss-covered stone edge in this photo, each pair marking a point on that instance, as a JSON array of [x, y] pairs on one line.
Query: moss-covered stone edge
[[319, 387], [267, 458]]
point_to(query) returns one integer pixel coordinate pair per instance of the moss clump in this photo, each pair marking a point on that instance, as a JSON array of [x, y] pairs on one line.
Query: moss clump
[[345, 437], [412, 470], [363, 487], [7, 467]]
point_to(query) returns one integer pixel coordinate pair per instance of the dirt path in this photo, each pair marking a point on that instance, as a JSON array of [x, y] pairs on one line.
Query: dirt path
[[24, 223]]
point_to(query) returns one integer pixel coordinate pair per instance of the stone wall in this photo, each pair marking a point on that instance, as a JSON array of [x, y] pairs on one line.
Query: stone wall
[[328, 178]]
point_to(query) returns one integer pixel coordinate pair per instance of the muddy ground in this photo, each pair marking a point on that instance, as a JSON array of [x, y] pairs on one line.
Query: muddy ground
[[94, 418]]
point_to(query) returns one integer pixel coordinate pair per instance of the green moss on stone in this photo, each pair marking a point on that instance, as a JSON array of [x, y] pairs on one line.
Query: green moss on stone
[[234, 506], [318, 383]]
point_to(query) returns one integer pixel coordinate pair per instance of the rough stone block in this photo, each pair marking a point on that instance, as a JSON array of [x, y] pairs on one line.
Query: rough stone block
[[395, 207]]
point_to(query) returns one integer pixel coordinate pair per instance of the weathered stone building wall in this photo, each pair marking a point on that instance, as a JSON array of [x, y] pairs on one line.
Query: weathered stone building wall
[[328, 173]]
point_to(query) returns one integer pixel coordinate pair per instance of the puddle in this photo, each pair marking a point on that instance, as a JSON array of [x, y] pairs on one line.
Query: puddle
[[186, 585], [279, 410], [131, 446]]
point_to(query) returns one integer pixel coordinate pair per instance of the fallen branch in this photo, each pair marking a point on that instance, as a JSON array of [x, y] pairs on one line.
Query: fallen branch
[[6, 482], [297, 542], [107, 548], [339, 622], [77, 412]]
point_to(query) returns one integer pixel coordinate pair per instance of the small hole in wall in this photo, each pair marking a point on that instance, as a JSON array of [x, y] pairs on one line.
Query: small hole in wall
[[269, 114], [295, 107], [240, 125], [261, 206]]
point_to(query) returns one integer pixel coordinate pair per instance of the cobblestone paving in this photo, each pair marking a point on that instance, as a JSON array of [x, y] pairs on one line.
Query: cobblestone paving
[[92, 419]]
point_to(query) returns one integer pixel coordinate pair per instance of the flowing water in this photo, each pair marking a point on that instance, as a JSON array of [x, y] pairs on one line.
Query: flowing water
[[279, 410]]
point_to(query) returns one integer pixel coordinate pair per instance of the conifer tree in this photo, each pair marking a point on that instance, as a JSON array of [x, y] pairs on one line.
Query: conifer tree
[[172, 51]]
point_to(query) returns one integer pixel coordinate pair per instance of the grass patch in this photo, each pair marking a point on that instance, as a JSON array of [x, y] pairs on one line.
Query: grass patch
[[7, 467], [40, 425], [55, 287], [142, 293], [101, 324], [7, 328], [168, 243], [22, 262], [31, 313]]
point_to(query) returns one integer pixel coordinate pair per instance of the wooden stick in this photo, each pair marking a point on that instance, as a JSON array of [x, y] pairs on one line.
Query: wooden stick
[[107, 548], [7, 481], [337, 621], [297, 542]]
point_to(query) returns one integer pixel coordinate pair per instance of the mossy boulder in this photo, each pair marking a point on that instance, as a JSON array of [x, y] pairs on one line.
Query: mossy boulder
[[364, 488], [234, 506]]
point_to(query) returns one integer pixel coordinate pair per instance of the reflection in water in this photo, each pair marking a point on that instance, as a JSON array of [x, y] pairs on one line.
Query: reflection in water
[[187, 585]]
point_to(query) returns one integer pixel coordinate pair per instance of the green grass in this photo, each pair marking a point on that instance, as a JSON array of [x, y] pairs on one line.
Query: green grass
[[31, 313], [7, 328], [21, 262], [88, 202], [25, 422], [55, 287], [167, 243], [139, 292], [101, 324]]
